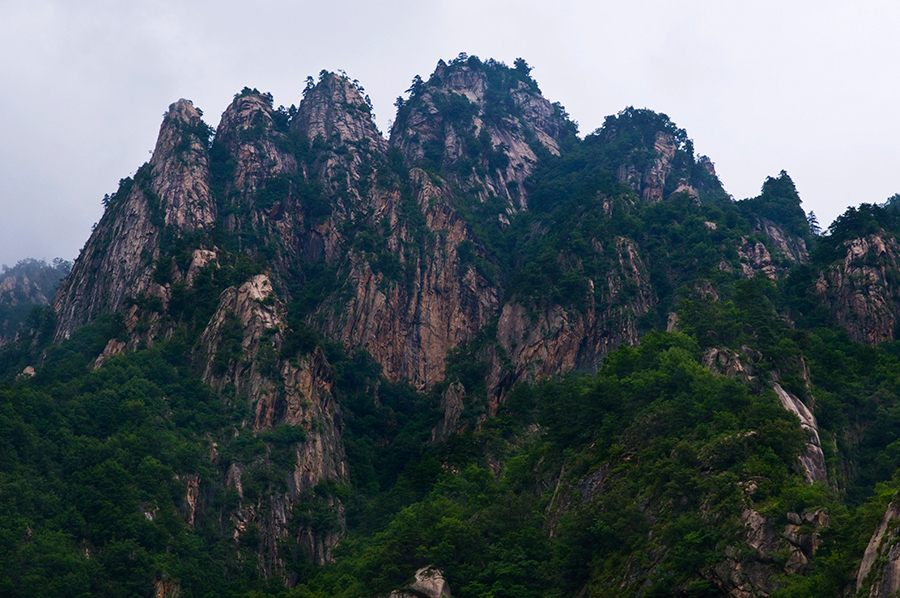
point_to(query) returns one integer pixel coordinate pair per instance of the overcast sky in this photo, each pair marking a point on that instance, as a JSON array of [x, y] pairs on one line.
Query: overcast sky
[[808, 87]]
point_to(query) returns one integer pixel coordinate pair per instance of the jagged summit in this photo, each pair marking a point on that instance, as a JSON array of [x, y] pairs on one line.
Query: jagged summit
[[654, 156], [168, 198], [253, 141], [180, 169], [481, 123], [336, 109]]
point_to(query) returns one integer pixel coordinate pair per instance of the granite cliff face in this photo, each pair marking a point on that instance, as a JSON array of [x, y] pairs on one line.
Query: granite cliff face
[[861, 290], [242, 349], [408, 317], [558, 340], [259, 180], [168, 199], [482, 125], [879, 572]]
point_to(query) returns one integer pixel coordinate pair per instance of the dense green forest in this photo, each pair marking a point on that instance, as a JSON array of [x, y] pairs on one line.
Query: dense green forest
[[92, 462]]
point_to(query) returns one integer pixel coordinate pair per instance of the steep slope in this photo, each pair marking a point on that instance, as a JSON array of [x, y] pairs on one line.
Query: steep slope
[[393, 238], [861, 290], [243, 354], [168, 199], [482, 125], [258, 180]]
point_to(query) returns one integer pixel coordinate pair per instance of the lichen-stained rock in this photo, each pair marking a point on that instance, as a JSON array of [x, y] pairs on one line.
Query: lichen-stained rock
[[755, 259], [337, 110], [169, 196], [554, 340], [774, 551], [790, 246], [337, 120], [650, 183], [862, 289], [261, 190], [432, 301], [879, 571], [479, 122], [180, 167], [731, 363], [428, 582], [255, 143], [452, 403], [241, 348]]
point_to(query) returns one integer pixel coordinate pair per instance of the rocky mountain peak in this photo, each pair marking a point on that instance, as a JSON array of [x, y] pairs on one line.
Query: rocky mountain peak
[[180, 169], [249, 137], [336, 109], [481, 122], [167, 198]]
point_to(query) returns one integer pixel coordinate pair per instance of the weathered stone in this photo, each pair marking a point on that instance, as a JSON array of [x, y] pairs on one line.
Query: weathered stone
[[813, 459], [423, 126], [117, 264], [293, 390], [881, 561], [452, 403], [428, 583], [860, 289]]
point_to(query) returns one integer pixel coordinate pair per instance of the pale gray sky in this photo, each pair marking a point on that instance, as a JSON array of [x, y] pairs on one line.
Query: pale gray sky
[[760, 86]]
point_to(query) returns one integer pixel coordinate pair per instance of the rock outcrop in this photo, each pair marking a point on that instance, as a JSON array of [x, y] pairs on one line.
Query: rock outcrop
[[792, 247], [650, 183], [756, 259], [261, 189], [813, 459], [168, 198], [554, 339], [863, 288], [478, 122], [410, 310], [879, 572], [428, 583], [242, 348]]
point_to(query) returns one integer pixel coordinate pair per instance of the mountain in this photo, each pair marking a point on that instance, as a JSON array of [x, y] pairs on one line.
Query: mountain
[[28, 284], [482, 355]]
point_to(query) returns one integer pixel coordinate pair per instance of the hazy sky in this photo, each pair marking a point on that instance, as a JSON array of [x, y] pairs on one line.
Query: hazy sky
[[809, 87]]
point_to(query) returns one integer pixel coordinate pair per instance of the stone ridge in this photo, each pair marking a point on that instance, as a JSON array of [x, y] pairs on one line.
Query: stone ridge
[[248, 131], [259, 194]]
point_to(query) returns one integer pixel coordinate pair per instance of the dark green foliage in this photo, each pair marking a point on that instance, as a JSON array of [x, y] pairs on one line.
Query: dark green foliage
[[780, 203], [654, 416]]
